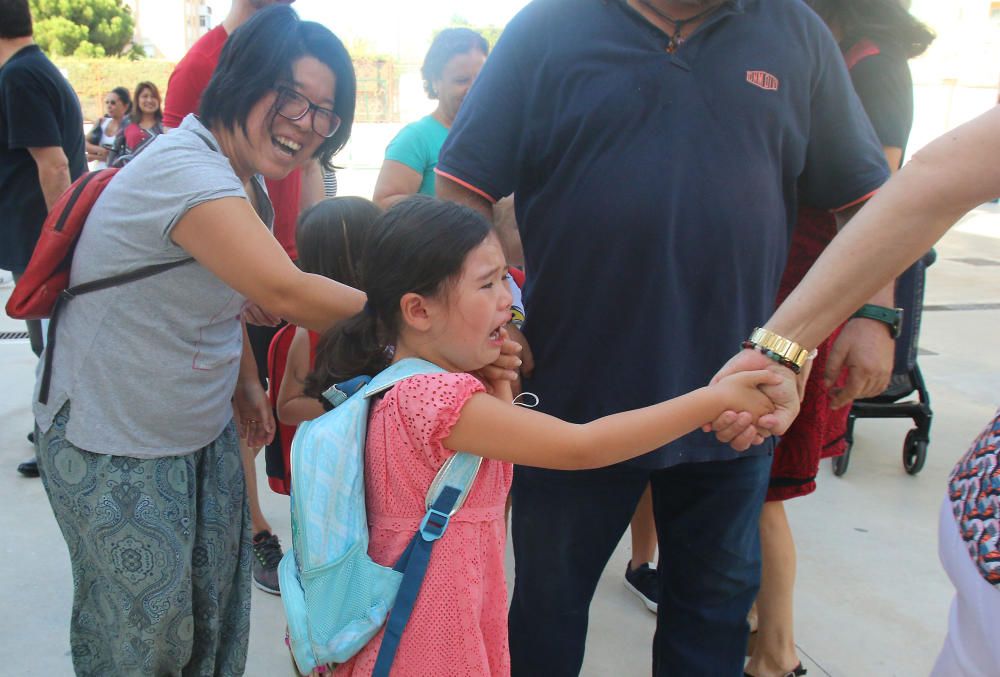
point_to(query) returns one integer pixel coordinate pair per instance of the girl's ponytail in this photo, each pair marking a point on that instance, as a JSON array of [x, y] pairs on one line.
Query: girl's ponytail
[[347, 349], [417, 246]]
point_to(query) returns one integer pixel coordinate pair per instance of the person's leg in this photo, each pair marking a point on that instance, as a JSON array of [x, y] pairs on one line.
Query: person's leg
[[221, 582], [639, 577], [707, 518], [774, 651], [266, 548], [131, 526], [565, 525], [970, 648], [35, 336], [29, 468], [643, 528]]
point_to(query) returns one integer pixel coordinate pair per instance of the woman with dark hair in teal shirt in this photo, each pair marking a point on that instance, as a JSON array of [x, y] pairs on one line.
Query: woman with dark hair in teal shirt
[[452, 63]]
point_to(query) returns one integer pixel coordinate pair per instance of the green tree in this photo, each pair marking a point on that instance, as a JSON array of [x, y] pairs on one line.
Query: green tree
[[490, 32], [86, 28]]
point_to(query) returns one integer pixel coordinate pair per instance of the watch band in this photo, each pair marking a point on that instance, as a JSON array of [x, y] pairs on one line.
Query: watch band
[[781, 350], [893, 317]]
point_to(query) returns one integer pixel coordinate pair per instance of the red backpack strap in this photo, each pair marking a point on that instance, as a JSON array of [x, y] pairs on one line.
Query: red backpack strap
[[861, 50], [277, 455]]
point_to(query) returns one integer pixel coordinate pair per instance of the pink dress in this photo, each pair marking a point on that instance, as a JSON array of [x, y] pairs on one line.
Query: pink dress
[[459, 622]]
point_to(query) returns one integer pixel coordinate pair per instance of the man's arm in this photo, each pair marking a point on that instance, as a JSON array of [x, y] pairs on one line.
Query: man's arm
[[446, 189], [53, 172], [865, 347]]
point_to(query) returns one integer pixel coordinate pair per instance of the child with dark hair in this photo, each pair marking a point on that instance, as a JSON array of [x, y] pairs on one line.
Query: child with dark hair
[[330, 239], [435, 276]]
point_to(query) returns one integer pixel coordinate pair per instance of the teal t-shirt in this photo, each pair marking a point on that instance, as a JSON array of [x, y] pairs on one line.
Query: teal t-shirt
[[417, 146]]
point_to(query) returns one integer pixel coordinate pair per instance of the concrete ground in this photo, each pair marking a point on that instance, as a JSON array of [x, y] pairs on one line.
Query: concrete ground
[[871, 596]]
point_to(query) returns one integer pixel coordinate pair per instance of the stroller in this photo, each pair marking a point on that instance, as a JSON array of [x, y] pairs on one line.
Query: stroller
[[896, 402]]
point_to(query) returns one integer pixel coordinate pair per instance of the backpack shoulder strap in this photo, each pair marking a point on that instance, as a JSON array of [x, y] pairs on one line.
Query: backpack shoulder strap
[[445, 496]]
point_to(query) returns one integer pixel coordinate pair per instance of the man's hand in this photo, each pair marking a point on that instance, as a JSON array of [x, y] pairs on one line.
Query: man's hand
[[865, 348], [504, 371], [736, 428], [527, 358]]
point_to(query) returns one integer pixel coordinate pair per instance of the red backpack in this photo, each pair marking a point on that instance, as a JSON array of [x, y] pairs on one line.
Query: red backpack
[[277, 454], [43, 289]]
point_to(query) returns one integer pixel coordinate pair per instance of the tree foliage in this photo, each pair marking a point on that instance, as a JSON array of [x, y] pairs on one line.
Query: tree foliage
[[83, 28], [490, 32]]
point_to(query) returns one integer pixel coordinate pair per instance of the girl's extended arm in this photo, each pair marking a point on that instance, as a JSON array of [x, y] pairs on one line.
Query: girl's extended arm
[[498, 430], [294, 406], [226, 237]]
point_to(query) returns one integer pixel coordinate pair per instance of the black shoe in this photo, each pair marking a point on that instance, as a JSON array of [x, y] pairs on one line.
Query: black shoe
[[642, 582], [267, 553], [29, 468], [31, 437]]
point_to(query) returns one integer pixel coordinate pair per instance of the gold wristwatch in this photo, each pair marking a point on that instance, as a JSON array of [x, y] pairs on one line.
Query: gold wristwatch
[[782, 350]]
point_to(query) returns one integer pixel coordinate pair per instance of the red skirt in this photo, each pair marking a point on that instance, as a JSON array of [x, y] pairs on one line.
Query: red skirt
[[818, 432]]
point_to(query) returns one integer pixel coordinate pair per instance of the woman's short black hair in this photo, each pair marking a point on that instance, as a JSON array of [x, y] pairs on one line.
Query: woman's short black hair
[[449, 43], [887, 22], [260, 54], [15, 19]]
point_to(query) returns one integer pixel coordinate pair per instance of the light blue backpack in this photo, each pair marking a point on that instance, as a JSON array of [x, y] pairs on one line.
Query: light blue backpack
[[336, 598]]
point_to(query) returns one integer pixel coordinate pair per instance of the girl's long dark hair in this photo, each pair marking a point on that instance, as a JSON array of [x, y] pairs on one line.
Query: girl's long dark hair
[[886, 22], [418, 246], [330, 237]]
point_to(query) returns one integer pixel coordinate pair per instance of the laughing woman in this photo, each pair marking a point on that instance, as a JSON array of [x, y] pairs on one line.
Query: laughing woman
[[138, 449]]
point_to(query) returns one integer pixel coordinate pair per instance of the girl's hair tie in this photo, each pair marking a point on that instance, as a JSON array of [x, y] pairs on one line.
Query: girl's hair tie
[[369, 309]]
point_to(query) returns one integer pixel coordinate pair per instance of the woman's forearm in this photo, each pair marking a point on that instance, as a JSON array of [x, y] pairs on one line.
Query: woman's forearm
[[952, 175]]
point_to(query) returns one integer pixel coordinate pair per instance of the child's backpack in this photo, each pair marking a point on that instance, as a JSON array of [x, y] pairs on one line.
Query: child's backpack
[[336, 598], [277, 454]]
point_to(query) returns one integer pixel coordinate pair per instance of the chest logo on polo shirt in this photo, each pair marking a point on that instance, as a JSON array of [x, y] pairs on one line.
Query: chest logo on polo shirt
[[763, 79]]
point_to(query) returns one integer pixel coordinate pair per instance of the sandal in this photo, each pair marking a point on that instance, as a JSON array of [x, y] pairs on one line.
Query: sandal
[[797, 671]]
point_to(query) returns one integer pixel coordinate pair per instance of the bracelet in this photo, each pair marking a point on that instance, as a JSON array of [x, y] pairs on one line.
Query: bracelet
[[784, 351], [783, 361]]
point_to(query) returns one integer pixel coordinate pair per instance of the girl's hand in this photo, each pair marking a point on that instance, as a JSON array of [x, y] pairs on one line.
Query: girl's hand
[[499, 376], [255, 420], [743, 392]]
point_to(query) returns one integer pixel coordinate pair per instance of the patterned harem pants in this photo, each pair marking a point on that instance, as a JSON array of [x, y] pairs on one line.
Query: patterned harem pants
[[160, 552]]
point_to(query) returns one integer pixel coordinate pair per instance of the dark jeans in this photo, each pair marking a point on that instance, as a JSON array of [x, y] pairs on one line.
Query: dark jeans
[[34, 329], [566, 525]]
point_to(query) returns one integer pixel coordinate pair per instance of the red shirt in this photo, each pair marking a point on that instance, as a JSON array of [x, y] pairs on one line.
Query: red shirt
[[187, 82]]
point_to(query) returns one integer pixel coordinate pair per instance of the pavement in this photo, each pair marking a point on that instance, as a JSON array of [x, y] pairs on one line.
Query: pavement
[[871, 596]]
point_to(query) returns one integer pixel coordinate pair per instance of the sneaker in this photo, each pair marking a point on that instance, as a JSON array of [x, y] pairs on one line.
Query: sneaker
[[642, 582], [28, 468], [266, 555]]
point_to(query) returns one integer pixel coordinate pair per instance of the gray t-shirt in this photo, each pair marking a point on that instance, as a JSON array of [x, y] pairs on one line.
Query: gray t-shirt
[[150, 365]]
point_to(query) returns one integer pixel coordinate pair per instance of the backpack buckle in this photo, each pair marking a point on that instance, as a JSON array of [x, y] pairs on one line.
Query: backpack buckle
[[433, 525]]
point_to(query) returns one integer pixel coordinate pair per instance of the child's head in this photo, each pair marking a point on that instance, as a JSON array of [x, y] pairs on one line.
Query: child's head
[[432, 270], [330, 237]]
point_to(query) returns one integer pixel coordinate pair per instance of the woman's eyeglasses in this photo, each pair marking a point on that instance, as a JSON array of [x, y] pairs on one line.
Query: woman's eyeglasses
[[294, 106]]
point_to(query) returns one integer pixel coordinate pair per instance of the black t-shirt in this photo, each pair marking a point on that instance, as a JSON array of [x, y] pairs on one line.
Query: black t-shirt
[[38, 109], [884, 85], [656, 192]]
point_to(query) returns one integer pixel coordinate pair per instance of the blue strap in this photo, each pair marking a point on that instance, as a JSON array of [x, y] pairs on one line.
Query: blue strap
[[413, 565]]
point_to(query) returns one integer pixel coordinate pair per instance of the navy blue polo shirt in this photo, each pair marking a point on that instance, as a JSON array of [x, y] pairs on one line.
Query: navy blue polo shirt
[[38, 109], [655, 192]]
